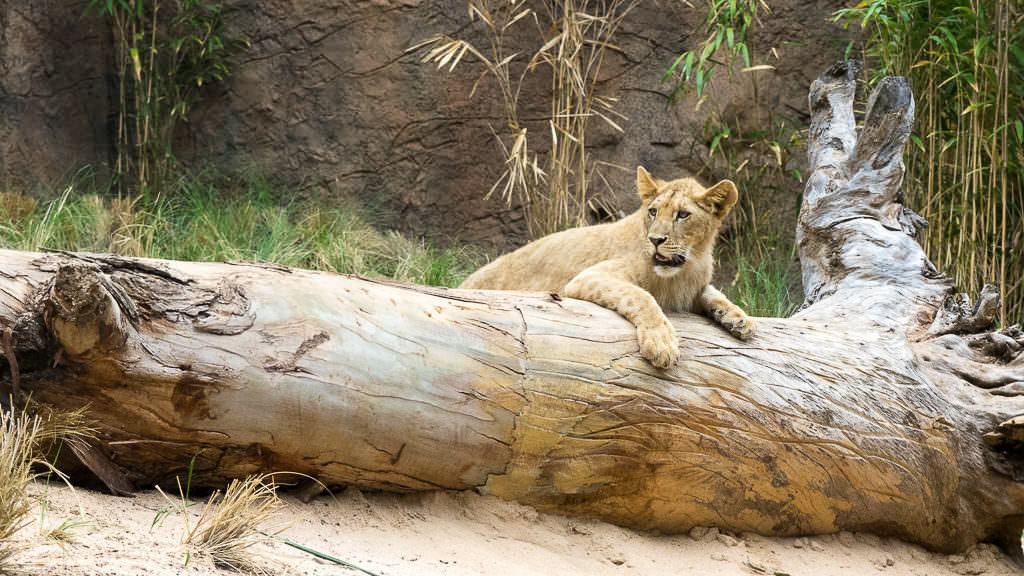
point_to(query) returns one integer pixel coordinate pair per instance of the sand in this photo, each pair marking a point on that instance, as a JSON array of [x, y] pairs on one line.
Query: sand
[[453, 534]]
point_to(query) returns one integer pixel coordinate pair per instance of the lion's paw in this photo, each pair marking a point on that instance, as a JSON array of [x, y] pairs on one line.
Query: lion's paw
[[738, 324], [658, 344]]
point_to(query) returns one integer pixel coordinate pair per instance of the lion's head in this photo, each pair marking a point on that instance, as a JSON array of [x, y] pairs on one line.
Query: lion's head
[[681, 218]]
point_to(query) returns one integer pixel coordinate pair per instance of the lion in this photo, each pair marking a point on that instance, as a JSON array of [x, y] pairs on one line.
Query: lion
[[656, 260]]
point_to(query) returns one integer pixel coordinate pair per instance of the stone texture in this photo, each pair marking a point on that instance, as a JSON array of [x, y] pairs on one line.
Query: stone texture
[[327, 104], [55, 98]]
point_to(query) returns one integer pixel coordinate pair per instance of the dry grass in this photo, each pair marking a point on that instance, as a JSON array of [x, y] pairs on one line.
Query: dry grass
[[575, 38], [18, 437], [23, 438], [231, 524]]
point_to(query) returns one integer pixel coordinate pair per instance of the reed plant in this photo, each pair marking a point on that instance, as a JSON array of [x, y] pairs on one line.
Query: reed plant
[[165, 51], [758, 251], [574, 39], [965, 166]]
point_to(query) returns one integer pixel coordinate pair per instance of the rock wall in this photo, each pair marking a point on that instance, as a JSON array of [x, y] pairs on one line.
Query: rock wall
[[327, 104], [56, 103]]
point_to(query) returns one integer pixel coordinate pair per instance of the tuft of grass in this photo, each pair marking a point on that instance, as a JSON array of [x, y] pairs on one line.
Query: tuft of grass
[[63, 534], [765, 287], [202, 222], [231, 524], [19, 436], [23, 438]]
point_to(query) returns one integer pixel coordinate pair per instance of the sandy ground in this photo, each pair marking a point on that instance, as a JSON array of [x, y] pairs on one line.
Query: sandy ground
[[454, 534]]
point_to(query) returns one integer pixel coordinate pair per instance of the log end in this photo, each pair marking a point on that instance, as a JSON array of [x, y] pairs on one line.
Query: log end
[[840, 77], [833, 134], [887, 125]]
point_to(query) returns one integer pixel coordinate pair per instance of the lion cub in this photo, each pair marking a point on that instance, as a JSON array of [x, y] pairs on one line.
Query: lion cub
[[658, 258]]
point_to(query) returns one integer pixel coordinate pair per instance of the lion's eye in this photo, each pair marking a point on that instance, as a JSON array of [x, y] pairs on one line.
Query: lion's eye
[[682, 215], [653, 212]]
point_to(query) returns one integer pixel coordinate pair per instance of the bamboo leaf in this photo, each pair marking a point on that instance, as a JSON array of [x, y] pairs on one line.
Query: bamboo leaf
[[505, 60], [917, 142], [523, 14], [609, 121], [136, 63], [462, 53], [706, 52], [1018, 53], [671, 69]]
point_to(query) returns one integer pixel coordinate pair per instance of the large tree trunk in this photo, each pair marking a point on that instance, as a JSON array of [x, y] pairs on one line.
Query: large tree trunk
[[870, 409]]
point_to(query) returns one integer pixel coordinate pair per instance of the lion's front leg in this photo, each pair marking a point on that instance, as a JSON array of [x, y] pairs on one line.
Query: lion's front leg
[[602, 284], [714, 304]]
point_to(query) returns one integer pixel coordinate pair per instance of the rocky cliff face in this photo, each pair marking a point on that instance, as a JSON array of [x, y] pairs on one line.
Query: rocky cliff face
[[55, 99], [327, 104]]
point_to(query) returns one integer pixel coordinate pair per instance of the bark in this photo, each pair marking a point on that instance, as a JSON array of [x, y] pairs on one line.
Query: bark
[[881, 406]]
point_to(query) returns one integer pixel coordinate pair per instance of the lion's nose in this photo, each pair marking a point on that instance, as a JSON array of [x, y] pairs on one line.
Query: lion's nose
[[657, 240]]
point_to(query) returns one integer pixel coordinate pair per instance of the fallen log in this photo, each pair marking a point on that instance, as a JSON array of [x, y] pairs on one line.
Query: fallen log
[[883, 405]]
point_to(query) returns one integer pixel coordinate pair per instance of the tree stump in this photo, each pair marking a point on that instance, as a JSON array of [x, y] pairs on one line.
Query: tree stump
[[883, 405]]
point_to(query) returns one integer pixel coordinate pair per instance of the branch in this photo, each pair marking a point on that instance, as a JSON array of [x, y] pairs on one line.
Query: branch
[[854, 234], [958, 316]]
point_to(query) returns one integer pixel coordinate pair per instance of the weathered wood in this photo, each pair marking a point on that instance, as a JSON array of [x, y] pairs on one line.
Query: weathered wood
[[851, 415]]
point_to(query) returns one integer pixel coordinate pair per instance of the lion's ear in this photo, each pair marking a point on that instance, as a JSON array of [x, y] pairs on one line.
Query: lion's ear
[[719, 199], [646, 185]]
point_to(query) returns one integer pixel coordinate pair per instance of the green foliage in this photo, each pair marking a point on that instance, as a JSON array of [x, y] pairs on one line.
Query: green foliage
[[163, 61], [759, 245], [965, 166], [727, 24], [757, 250], [200, 221]]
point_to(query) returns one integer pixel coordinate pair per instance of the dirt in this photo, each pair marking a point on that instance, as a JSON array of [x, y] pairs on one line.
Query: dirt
[[452, 534]]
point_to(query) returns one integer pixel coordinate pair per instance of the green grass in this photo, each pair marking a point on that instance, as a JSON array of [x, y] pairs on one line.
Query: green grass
[[765, 287], [758, 250], [200, 220]]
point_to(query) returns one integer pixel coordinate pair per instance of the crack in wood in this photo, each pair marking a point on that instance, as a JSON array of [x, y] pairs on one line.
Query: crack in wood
[[290, 363]]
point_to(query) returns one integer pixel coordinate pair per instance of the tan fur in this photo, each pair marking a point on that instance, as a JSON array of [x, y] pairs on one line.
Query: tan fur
[[614, 264]]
